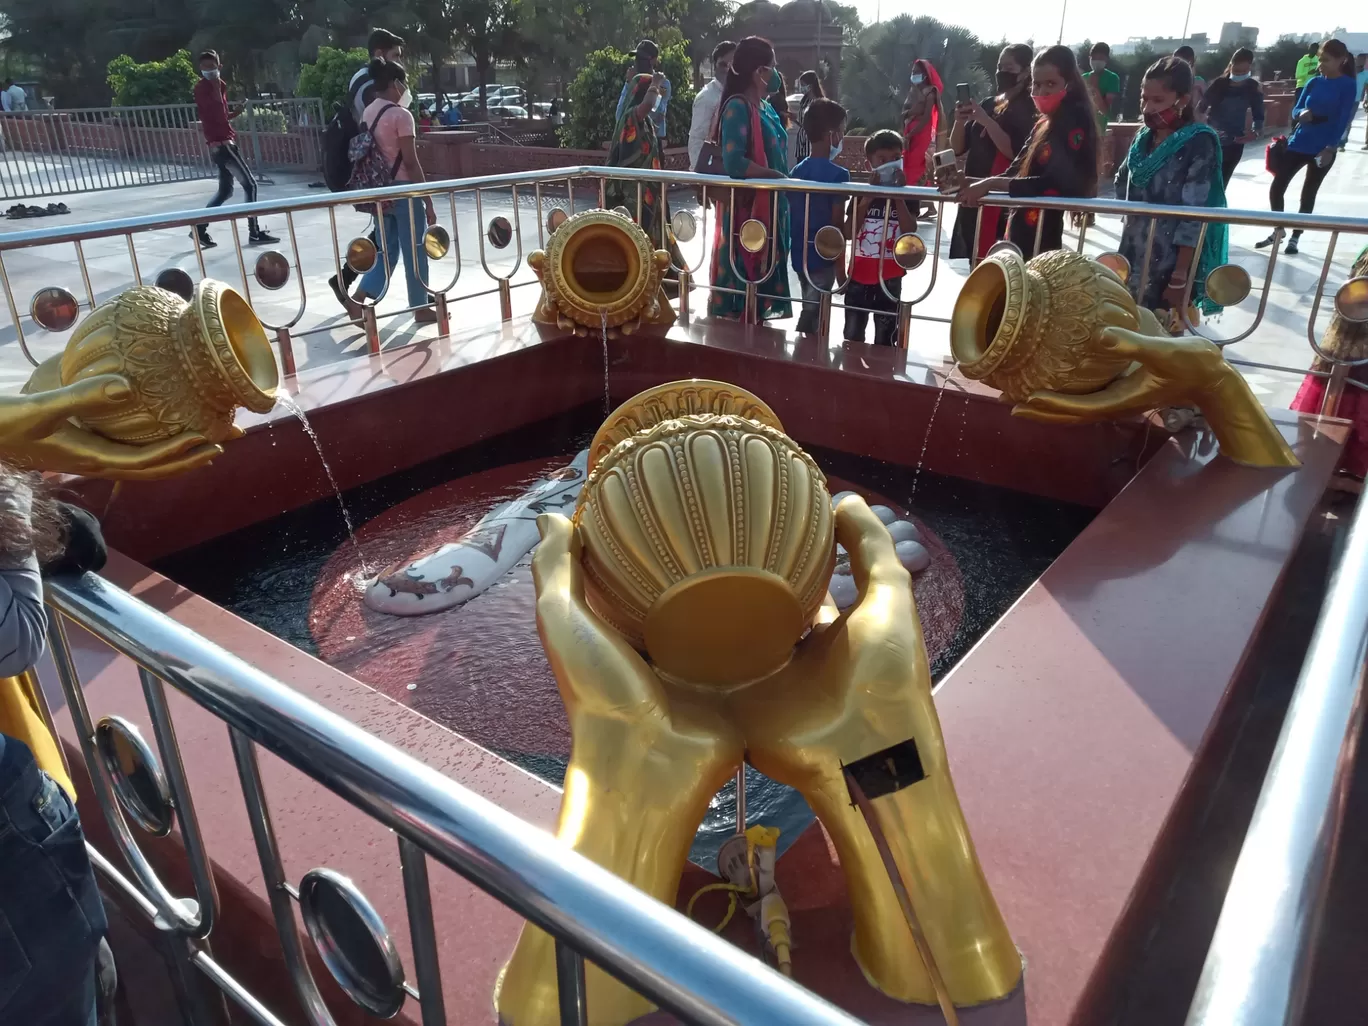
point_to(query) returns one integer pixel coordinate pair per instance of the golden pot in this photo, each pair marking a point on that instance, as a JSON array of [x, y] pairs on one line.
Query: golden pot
[[599, 269], [1024, 327], [709, 541], [190, 364]]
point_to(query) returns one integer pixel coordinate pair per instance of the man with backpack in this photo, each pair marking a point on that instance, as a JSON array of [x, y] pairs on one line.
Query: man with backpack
[[384, 46], [211, 101]]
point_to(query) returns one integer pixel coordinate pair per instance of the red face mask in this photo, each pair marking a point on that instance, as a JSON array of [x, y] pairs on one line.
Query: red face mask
[[1047, 105], [1168, 118]]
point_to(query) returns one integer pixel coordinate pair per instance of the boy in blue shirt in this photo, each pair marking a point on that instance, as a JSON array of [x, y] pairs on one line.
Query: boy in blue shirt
[[824, 125]]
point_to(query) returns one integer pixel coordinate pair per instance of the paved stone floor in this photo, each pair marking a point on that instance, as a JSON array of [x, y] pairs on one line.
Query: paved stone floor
[[1280, 339]]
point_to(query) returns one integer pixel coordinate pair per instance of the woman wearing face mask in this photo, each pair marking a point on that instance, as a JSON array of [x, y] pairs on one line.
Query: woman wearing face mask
[[403, 221], [988, 135], [1059, 160], [811, 88], [636, 144], [1174, 161], [921, 118], [1233, 100], [1320, 117], [754, 145]]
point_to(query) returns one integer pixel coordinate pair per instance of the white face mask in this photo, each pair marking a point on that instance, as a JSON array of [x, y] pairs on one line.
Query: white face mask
[[211, 75], [407, 98], [836, 147], [918, 79]]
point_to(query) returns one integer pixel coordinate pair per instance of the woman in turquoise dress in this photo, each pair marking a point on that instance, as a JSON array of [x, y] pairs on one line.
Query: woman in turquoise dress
[[754, 145]]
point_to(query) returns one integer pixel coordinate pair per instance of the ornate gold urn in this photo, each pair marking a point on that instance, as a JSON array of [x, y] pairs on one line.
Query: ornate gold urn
[[599, 269], [682, 613], [1025, 327], [190, 365]]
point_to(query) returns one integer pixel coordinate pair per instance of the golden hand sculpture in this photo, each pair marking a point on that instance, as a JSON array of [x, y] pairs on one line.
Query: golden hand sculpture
[[1062, 337], [1170, 372], [653, 741], [38, 432]]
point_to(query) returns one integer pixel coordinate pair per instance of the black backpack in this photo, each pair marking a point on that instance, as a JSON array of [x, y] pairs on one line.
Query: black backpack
[[338, 133]]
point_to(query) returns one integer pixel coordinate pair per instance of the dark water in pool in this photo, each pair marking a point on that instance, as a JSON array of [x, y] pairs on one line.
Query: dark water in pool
[[270, 573]]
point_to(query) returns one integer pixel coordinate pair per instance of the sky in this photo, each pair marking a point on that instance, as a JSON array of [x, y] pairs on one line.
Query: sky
[[1116, 20]]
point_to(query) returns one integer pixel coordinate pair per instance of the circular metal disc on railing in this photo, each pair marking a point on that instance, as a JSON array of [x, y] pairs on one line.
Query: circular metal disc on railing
[[361, 254], [829, 242], [684, 225], [1351, 301], [1003, 246], [753, 235], [54, 308], [1116, 263], [908, 251], [272, 270], [353, 941], [139, 784], [500, 232], [173, 279], [1229, 285], [622, 211], [436, 242], [555, 218]]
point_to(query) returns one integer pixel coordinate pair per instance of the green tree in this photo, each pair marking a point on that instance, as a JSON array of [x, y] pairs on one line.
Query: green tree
[[874, 73], [328, 76], [1282, 56], [166, 81], [488, 31], [595, 90]]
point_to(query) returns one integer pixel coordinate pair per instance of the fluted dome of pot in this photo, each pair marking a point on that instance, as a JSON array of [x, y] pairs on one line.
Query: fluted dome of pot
[[709, 542]]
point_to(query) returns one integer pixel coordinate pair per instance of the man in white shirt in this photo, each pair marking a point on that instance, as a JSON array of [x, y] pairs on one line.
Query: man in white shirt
[[13, 97], [708, 100]]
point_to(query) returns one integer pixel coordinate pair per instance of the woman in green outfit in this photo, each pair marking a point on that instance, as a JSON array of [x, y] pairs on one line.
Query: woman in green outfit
[[754, 145], [636, 144]]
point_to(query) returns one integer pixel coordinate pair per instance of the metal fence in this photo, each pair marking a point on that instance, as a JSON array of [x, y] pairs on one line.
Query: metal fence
[[143, 791], [59, 152], [566, 190]]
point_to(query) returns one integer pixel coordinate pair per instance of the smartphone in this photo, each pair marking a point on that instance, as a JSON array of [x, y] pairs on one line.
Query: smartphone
[[962, 93]]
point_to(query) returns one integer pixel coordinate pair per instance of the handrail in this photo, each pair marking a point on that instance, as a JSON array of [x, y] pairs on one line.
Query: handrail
[[1259, 963], [648, 946]]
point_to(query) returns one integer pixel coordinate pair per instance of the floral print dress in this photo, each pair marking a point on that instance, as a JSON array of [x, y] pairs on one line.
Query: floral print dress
[[738, 150], [1060, 166]]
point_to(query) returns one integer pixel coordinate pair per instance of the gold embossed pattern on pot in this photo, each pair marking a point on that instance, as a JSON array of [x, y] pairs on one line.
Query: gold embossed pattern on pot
[[708, 541]]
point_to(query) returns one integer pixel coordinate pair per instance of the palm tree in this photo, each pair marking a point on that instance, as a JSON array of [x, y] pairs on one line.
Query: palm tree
[[874, 72]]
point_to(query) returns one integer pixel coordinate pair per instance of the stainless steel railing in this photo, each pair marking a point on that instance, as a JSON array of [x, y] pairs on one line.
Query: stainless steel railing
[[76, 150], [1259, 964], [592, 914], [569, 189]]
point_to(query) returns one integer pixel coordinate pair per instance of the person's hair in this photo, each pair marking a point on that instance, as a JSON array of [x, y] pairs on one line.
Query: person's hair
[[43, 531], [722, 49], [1186, 53], [385, 73], [382, 39], [883, 139], [1335, 49], [822, 116], [811, 83], [1176, 74], [751, 53], [1313, 49], [1101, 48], [1244, 55], [1022, 54], [1077, 107], [8, 82], [207, 55], [646, 52]]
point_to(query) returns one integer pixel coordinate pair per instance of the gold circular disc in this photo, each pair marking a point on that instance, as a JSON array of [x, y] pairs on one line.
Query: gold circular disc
[[724, 626], [436, 242], [622, 211], [555, 219], [272, 270], [500, 232], [909, 251], [677, 399], [1228, 285], [753, 236], [684, 225], [54, 308], [1351, 301], [829, 242], [1116, 263], [173, 279], [361, 255]]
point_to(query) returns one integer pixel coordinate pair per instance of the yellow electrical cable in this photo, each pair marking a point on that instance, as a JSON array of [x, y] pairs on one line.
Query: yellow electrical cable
[[732, 891]]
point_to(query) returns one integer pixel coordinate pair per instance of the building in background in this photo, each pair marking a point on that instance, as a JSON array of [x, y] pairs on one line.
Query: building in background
[[1234, 33]]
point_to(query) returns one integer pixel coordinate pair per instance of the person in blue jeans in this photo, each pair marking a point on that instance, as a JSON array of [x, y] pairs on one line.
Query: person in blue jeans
[[391, 125], [1320, 117], [52, 922], [824, 126]]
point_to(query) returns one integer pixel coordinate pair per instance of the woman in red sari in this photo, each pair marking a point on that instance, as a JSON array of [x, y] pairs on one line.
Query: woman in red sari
[[921, 118], [1344, 340]]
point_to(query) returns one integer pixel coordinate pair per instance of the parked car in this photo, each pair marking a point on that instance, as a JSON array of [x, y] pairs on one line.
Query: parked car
[[507, 112]]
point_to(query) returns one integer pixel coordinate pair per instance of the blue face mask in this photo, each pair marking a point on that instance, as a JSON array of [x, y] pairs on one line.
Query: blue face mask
[[836, 147], [1239, 78]]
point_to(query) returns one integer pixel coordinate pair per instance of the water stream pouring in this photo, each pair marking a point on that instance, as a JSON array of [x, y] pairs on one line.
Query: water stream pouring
[[603, 320], [926, 439], [364, 573]]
